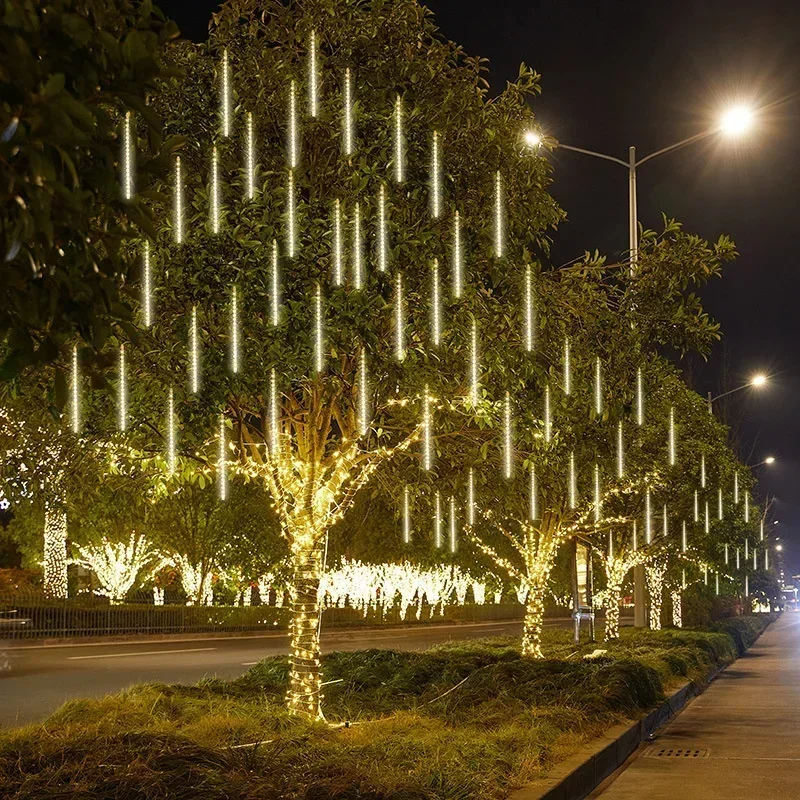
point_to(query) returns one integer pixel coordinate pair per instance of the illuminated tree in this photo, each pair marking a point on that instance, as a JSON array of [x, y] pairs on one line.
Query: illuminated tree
[[617, 559]]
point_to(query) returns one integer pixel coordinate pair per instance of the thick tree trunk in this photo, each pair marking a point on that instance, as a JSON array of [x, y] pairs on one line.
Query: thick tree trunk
[[655, 588], [532, 626], [55, 548], [677, 610], [614, 592], [305, 679]]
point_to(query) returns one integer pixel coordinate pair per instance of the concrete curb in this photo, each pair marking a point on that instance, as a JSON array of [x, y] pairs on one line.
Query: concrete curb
[[577, 776]]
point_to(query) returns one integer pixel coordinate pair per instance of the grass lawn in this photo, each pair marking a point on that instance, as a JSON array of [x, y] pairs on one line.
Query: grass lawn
[[465, 720]]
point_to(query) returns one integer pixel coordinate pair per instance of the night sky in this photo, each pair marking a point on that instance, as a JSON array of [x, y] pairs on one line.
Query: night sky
[[647, 74]]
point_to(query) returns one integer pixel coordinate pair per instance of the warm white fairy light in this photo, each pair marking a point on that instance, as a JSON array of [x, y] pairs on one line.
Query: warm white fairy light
[[672, 437], [363, 394], [358, 255], [178, 200], [597, 495], [349, 133], [530, 311], [453, 525], [292, 136], [215, 191], [147, 286], [406, 515], [225, 96], [312, 75], [250, 157], [548, 420], [598, 387], [508, 445], [222, 464], [436, 303], [639, 397], [719, 503], [436, 178], [471, 496], [747, 506], [474, 366], [437, 520], [172, 457], [275, 286], [235, 354], [458, 258], [399, 141], [319, 332], [707, 518], [703, 470], [533, 491], [122, 390], [427, 432], [128, 157], [572, 481], [274, 412], [338, 259], [696, 506], [194, 352], [383, 232], [620, 451], [75, 393], [664, 521], [736, 488], [399, 319], [683, 537], [499, 243], [291, 217]]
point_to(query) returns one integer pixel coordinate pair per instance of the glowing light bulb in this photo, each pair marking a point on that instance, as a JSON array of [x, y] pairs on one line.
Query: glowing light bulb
[[250, 157], [664, 521], [597, 495], [363, 394], [215, 191], [292, 135], [383, 232], [427, 432], [458, 258], [358, 259], [275, 285], [235, 354], [437, 520], [291, 217], [312, 75], [178, 197], [620, 451], [471, 497], [567, 367], [548, 421], [274, 412], [530, 311], [683, 536], [406, 516], [172, 458], [338, 260], [508, 446], [128, 157], [436, 305], [703, 470], [598, 387], [534, 496], [648, 518], [194, 352], [225, 96], [572, 480], [453, 525], [696, 506], [639, 397], [399, 141], [319, 334], [122, 389], [147, 286], [222, 465], [75, 392], [349, 133], [399, 320], [474, 367], [436, 178], [719, 503], [499, 243]]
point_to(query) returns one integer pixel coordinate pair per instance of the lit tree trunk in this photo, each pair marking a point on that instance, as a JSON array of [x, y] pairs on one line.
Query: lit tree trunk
[[677, 611], [534, 619], [655, 588], [55, 547], [614, 591]]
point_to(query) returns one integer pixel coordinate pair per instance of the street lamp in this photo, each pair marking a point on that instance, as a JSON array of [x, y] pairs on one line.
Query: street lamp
[[756, 382]]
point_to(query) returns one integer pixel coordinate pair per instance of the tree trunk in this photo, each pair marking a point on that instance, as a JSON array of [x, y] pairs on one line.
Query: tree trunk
[[614, 592], [532, 626], [55, 548], [655, 588], [677, 610], [305, 679]]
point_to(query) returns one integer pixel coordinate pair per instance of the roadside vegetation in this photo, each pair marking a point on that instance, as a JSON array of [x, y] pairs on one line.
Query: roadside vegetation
[[464, 720]]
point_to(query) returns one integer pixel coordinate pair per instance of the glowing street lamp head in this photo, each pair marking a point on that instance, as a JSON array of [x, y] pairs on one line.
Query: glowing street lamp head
[[736, 120], [758, 380], [769, 460], [532, 139]]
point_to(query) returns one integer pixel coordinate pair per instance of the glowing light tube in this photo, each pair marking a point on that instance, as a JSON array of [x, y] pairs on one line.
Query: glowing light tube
[[567, 367], [738, 559], [75, 393], [250, 158], [529, 311], [406, 516], [292, 136], [610, 545], [358, 259], [436, 303], [664, 521], [508, 445], [274, 412], [719, 503], [436, 178], [703, 471], [716, 583], [458, 258], [672, 437], [312, 76], [639, 397], [363, 394], [319, 333], [147, 287], [399, 141], [572, 480], [399, 319], [437, 520], [453, 525], [747, 506], [383, 231], [746, 548], [275, 286], [736, 488], [648, 518], [338, 259], [761, 530], [533, 489], [122, 389], [548, 420], [427, 432], [226, 102], [128, 157], [215, 191], [474, 367], [194, 352], [598, 387], [727, 553], [178, 199], [620, 451], [222, 465], [235, 354], [172, 457], [707, 520], [291, 217], [471, 497], [597, 495], [683, 537], [696, 506], [349, 132], [499, 243]]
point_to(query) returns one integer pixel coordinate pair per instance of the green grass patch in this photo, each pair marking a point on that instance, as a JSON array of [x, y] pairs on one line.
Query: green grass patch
[[465, 720]]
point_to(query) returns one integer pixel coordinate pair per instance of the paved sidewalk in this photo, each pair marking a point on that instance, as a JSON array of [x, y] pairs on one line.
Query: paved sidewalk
[[748, 721]]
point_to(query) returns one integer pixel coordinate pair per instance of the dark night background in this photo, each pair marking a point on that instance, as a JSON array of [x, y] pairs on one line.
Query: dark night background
[[649, 73]]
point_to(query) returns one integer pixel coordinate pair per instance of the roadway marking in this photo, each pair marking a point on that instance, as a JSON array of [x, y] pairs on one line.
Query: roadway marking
[[148, 653]]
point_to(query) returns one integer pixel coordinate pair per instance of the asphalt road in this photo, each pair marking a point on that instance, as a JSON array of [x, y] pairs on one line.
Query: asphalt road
[[42, 678]]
